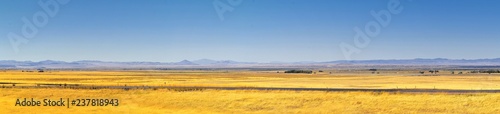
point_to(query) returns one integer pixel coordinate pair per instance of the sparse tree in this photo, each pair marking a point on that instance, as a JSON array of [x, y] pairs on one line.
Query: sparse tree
[[433, 71]]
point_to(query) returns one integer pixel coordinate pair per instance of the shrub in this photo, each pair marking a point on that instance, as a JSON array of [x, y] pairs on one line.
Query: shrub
[[486, 71], [299, 71]]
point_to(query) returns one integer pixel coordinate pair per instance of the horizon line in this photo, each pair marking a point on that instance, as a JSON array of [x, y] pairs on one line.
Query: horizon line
[[255, 62]]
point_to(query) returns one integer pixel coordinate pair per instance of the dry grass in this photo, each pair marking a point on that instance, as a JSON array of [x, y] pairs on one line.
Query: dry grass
[[257, 79], [253, 101], [248, 101]]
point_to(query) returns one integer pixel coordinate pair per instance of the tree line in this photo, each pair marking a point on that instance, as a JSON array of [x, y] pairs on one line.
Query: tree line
[[299, 71], [486, 71]]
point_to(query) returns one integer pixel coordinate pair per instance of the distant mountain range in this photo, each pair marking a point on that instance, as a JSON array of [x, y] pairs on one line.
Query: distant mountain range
[[419, 61], [103, 64], [208, 63], [222, 62]]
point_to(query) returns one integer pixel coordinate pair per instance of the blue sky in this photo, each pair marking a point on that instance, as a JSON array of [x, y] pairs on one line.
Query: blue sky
[[256, 30]]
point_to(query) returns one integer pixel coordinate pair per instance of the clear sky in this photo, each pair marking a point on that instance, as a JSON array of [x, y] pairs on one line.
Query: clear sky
[[254, 31]]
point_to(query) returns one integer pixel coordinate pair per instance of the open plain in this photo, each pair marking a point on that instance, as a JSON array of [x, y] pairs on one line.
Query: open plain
[[249, 91]]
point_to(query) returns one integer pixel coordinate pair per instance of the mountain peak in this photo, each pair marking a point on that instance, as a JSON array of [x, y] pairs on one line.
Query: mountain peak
[[185, 62]]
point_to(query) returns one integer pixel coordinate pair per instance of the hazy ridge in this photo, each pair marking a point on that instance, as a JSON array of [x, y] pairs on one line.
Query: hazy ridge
[[208, 63]]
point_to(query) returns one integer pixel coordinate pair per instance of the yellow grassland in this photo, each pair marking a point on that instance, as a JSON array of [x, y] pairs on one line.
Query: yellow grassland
[[253, 101], [256, 79]]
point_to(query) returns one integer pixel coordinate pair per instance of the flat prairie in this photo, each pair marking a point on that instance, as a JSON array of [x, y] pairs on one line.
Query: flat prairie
[[52, 84], [253, 101], [363, 80]]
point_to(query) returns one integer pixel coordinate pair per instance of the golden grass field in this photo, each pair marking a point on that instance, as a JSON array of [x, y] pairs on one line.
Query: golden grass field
[[248, 101], [386, 80], [255, 101]]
